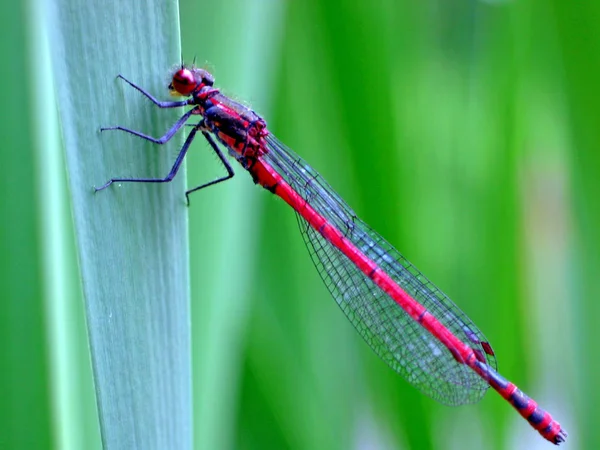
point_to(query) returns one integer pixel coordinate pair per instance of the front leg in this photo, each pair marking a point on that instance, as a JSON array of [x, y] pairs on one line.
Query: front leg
[[153, 99]]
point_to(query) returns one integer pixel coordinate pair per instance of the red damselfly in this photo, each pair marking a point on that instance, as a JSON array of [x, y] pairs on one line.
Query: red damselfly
[[413, 326]]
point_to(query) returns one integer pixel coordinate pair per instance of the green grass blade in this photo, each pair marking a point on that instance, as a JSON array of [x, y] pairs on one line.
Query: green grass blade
[[240, 43], [24, 383], [579, 46], [131, 239], [74, 412]]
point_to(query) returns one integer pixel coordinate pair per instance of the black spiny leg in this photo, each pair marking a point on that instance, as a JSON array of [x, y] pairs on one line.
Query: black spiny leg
[[230, 172], [171, 132], [161, 140], [171, 174], [153, 99], [165, 138]]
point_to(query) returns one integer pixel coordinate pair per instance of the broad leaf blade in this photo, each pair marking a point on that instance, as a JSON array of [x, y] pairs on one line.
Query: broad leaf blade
[[132, 239]]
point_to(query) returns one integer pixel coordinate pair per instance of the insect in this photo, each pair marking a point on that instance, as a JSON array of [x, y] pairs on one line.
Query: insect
[[412, 325]]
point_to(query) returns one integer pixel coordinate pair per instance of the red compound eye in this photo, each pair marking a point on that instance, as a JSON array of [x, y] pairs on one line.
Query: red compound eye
[[184, 82]]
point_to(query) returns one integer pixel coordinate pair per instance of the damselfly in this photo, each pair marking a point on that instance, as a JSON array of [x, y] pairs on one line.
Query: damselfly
[[413, 326]]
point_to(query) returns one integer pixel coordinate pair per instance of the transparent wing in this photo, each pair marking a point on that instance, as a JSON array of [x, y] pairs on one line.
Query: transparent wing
[[401, 342]]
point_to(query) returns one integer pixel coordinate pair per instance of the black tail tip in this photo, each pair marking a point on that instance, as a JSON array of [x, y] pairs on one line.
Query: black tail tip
[[560, 437]]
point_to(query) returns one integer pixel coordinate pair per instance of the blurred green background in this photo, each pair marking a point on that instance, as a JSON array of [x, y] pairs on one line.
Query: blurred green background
[[465, 132]]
